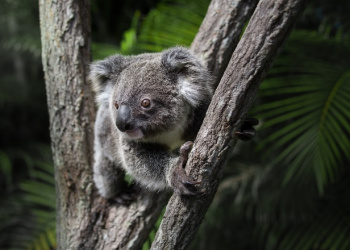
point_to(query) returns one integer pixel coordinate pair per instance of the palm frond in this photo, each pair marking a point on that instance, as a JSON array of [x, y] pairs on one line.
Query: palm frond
[[40, 193], [171, 23], [275, 203], [6, 167], [307, 103], [28, 212]]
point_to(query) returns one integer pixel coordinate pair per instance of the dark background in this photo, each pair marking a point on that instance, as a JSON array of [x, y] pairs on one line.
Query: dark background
[[288, 189]]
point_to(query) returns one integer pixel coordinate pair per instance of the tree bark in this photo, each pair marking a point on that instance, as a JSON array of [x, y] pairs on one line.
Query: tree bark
[[87, 221], [65, 33], [84, 220], [260, 44], [219, 33]]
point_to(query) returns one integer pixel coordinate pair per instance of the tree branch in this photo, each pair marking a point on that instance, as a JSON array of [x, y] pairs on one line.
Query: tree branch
[[129, 228], [219, 33], [84, 220], [65, 32], [260, 44]]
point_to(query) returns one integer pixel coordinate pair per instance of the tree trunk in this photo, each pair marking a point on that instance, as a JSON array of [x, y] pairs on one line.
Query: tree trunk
[[65, 32], [219, 33], [260, 44], [87, 221], [84, 220]]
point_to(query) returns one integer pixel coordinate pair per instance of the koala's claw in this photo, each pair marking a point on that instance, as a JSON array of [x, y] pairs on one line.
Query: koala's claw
[[128, 195], [247, 131], [183, 184], [190, 183]]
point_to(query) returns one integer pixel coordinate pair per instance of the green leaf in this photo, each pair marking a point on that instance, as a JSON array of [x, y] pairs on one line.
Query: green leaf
[[308, 108], [6, 167]]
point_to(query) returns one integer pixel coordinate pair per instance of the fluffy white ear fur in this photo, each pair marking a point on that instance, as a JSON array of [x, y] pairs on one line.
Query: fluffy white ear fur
[[98, 75], [102, 97], [193, 86], [191, 92]]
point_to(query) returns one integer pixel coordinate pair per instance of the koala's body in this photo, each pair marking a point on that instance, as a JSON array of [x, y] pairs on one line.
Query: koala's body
[[149, 105]]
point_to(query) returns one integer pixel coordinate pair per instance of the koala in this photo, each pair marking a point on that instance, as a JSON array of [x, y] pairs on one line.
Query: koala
[[150, 108]]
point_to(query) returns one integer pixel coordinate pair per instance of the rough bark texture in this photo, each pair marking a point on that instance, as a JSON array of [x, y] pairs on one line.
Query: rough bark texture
[[66, 54], [219, 33], [122, 227], [260, 44], [84, 220]]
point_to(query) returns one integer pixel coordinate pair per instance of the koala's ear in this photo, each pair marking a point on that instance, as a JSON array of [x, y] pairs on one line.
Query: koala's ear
[[102, 71], [193, 79], [176, 59], [101, 76]]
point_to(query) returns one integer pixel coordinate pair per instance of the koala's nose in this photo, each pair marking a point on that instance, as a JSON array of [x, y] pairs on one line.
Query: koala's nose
[[124, 119]]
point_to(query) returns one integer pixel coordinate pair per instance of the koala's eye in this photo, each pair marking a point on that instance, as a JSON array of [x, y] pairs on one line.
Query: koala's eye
[[116, 105], [145, 103]]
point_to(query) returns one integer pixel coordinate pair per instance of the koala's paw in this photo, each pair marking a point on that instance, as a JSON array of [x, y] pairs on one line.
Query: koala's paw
[[183, 184], [127, 196], [247, 131]]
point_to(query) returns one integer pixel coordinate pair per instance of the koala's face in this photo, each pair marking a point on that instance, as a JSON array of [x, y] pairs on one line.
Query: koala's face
[[146, 101], [151, 95]]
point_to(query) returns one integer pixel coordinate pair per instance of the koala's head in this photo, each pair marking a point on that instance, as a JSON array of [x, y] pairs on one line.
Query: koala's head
[[151, 94]]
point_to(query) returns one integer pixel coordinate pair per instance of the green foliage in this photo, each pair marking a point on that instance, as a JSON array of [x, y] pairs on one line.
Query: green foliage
[[293, 195], [6, 168], [127, 45], [152, 235], [171, 23], [27, 208], [102, 50], [306, 106], [40, 195], [288, 196], [18, 34], [328, 18], [251, 211]]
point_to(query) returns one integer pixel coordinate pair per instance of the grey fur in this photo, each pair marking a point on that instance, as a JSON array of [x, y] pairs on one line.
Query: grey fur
[[179, 88]]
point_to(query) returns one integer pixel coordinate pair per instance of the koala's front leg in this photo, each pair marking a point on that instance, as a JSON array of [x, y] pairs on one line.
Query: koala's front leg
[[181, 183], [106, 177], [110, 183]]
